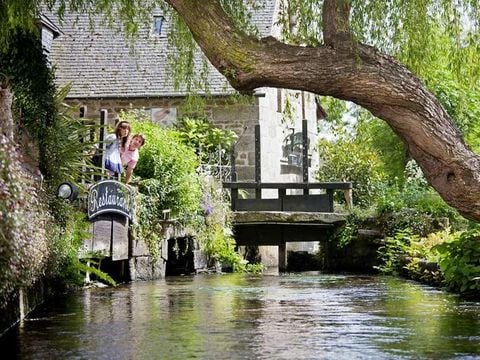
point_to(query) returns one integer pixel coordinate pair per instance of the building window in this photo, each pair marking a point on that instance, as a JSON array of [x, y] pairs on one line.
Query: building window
[[158, 24]]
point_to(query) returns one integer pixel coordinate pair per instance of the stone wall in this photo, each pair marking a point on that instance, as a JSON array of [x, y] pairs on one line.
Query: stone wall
[[141, 264], [22, 303]]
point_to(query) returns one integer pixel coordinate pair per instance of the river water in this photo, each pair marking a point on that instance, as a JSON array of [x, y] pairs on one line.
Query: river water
[[235, 316]]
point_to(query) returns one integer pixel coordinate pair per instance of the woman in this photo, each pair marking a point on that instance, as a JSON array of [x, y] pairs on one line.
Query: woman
[[115, 143], [129, 154]]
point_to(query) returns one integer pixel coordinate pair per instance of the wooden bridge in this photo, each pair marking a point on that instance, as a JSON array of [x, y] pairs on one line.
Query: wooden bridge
[[286, 218]]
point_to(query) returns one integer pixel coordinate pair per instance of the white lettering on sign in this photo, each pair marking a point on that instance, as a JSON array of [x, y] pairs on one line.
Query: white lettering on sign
[[109, 196]]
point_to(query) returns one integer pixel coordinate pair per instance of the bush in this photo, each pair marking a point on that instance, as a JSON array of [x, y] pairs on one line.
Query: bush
[[416, 208], [394, 250], [347, 160], [200, 134], [214, 225], [166, 177], [459, 261], [167, 169], [64, 245], [23, 223], [412, 255]]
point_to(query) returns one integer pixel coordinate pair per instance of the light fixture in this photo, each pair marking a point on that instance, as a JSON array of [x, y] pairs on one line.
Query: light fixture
[[67, 191]]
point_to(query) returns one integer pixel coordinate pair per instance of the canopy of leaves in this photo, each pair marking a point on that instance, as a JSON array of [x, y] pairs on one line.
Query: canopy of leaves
[[402, 28]]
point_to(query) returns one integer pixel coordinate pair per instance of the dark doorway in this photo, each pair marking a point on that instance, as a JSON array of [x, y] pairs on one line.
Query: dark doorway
[[180, 256]]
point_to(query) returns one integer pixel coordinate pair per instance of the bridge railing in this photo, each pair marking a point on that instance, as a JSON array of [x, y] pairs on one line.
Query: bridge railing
[[305, 202]]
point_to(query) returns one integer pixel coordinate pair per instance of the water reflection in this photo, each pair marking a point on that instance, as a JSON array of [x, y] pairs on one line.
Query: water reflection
[[305, 316]]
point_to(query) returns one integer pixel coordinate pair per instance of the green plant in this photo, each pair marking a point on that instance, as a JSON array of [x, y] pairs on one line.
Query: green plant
[[90, 264], [422, 257], [414, 206], [394, 252], [459, 261], [349, 231], [200, 134], [214, 226], [64, 264], [67, 148], [166, 177], [23, 223], [23, 62], [348, 160], [245, 267], [166, 168]]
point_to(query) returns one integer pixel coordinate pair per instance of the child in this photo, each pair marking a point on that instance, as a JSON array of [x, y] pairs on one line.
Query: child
[[129, 154], [115, 143]]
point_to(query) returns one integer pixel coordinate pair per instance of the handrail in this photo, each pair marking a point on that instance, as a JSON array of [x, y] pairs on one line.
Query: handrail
[[306, 202], [266, 185]]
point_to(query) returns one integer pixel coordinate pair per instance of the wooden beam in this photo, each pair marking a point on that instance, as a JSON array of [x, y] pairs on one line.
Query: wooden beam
[[254, 185]]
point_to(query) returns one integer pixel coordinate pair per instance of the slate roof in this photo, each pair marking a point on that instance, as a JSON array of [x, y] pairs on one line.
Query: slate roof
[[101, 64]]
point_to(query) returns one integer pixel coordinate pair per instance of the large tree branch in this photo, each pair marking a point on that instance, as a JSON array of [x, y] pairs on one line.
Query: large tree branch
[[356, 73]]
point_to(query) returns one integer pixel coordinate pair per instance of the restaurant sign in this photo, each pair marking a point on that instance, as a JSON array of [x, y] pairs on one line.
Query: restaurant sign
[[110, 196]]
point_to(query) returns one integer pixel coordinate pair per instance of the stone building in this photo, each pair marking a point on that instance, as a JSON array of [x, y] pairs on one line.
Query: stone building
[[107, 72]]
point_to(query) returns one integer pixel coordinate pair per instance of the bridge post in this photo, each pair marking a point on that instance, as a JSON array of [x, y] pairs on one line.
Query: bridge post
[[282, 255], [305, 153], [258, 163], [348, 198], [233, 197], [330, 199]]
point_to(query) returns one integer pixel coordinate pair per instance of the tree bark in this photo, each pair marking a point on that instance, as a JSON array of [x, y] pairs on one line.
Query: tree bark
[[350, 71]]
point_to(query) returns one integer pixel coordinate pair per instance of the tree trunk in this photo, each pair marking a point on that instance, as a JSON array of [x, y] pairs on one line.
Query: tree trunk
[[349, 71], [6, 118]]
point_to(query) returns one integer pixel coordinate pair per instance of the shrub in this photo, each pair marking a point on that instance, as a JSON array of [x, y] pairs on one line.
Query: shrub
[[200, 134], [414, 205], [23, 220], [214, 225], [64, 245], [166, 178], [347, 160], [167, 169], [356, 218], [394, 250], [422, 257], [459, 261]]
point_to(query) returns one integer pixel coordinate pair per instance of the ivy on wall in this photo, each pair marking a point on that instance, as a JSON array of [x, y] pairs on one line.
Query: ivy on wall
[[34, 239]]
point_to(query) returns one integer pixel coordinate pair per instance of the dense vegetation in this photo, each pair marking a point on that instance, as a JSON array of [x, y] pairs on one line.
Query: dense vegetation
[[391, 187], [39, 235]]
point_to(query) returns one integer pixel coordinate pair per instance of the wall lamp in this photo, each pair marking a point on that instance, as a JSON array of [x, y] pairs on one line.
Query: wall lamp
[[67, 191]]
